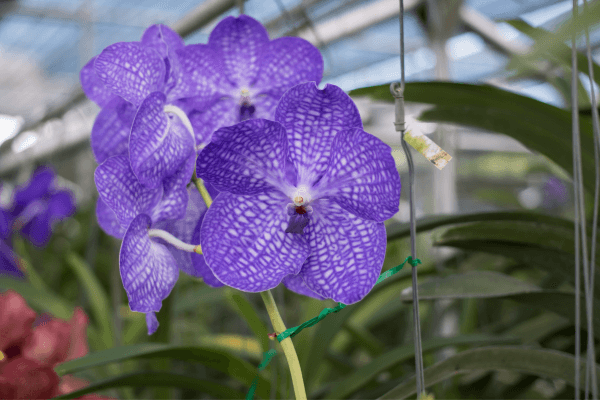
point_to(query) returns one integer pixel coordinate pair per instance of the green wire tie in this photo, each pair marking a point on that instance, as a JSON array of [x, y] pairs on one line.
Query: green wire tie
[[291, 332]]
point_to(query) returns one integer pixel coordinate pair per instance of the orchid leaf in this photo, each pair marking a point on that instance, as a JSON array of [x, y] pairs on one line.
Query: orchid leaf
[[540, 362], [158, 379]]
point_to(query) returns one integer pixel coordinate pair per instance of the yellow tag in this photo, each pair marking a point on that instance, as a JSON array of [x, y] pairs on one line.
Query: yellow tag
[[1, 356], [428, 148], [426, 396]]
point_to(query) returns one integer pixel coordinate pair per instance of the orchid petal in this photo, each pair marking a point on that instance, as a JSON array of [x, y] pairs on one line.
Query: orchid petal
[[175, 194], [162, 39], [107, 220], [247, 158], [244, 242], [92, 85], [240, 42], [286, 62], [38, 229], [166, 42], [295, 283], [183, 229], [159, 142], [38, 186], [122, 192], [9, 264], [5, 223], [199, 262], [362, 176], [61, 205], [265, 105], [147, 268], [110, 133], [131, 70], [312, 117], [347, 253], [203, 72], [206, 121], [151, 322]]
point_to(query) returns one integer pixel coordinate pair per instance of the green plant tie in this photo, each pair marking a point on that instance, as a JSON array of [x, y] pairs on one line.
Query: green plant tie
[[291, 332]]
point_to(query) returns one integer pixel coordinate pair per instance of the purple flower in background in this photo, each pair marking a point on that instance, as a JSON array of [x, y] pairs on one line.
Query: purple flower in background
[[37, 205], [9, 262], [240, 74], [555, 193], [138, 214], [303, 199]]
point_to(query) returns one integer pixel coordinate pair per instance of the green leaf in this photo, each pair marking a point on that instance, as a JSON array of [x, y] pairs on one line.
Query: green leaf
[[38, 298], [219, 360], [548, 246], [540, 362], [539, 126], [435, 221], [323, 335], [363, 375], [479, 284], [97, 298], [243, 307], [158, 379], [473, 284]]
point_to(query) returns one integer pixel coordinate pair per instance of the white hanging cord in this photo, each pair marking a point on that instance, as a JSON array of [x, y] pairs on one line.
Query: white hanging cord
[[576, 183], [591, 359], [398, 94]]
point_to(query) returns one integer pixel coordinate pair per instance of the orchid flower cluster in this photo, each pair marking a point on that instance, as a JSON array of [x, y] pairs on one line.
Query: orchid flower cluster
[[32, 211], [300, 190]]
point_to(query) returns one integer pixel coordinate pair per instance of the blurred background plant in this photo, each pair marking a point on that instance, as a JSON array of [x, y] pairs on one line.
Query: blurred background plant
[[495, 230]]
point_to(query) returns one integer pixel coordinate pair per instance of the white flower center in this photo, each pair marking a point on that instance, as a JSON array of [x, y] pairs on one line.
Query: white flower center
[[302, 196]]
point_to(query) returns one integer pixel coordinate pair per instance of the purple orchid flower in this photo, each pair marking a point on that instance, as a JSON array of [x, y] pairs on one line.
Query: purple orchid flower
[[9, 262], [240, 74], [133, 82], [303, 199], [37, 205], [156, 225]]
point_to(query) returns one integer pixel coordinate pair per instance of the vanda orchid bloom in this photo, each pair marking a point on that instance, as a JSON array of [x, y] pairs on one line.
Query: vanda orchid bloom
[[303, 199], [148, 89], [142, 217]]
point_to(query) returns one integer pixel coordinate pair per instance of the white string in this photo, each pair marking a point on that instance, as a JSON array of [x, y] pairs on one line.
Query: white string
[[576, 182], [590, 370], [398, 94]]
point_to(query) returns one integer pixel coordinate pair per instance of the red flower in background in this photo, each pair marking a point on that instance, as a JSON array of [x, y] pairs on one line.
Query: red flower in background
[[29, 350]]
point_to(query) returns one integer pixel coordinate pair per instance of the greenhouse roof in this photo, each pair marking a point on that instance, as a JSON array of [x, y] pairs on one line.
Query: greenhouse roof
[[44, 43]]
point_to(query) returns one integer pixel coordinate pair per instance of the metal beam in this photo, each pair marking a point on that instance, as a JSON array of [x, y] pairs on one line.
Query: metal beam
[[488, 30], [354, 21]]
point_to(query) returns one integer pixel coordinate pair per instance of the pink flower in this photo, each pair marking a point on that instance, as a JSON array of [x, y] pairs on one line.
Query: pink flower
[[29, 353]]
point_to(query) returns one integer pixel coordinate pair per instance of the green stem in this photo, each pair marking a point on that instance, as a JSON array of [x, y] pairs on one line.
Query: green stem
[[203, 192], [286, 344]]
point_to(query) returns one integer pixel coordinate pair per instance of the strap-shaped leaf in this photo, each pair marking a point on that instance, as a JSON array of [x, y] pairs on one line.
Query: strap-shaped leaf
[[158, 379], [479, 284], [219, 360], [472, 284], [363, 375], [97, 298], [242, 306], [541, 127], [540, 362]]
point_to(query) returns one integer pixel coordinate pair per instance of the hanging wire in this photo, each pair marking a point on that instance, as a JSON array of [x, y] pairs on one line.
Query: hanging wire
[[576, 184], [241, 6], [591, 359], [398, 94]]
